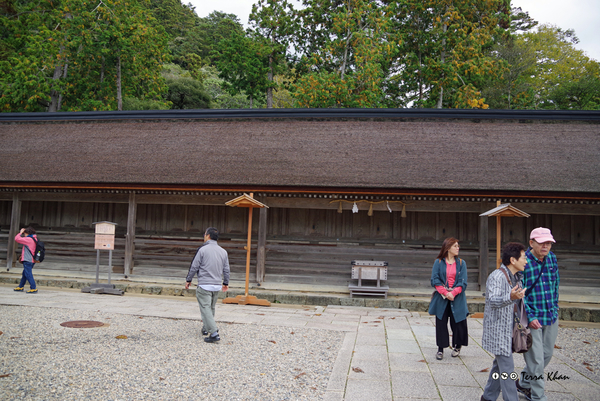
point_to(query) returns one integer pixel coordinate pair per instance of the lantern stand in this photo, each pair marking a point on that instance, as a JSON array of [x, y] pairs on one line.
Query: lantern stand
[[247, 201], [505, 210]]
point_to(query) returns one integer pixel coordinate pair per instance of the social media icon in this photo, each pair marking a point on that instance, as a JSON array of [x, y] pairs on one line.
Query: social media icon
[[504, 375], [514, 376], [495, 375]]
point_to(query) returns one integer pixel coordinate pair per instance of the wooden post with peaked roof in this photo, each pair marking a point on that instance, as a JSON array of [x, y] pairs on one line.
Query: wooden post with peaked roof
[[505, 210], [247, 201]]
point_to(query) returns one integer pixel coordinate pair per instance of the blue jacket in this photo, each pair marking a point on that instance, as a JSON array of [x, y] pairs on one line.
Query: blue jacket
[[438, 304]]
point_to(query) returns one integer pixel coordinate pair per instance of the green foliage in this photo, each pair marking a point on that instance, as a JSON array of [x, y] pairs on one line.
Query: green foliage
[[558, 63], [221, 99], [133, 103], [347, 47], [444, 62], [243, 64], [187, 93], [202, 39], [73, 55], [77, 55], [272, 20]]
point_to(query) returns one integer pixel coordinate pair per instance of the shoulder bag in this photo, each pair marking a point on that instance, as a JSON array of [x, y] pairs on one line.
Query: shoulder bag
[[521, 335]]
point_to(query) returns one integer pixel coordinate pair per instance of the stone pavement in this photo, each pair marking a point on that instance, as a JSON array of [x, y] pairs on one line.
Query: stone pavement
[[387, 354]]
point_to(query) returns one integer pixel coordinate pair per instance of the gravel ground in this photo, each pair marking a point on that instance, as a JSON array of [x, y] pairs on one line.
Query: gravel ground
[[162, 359], [581, 345]]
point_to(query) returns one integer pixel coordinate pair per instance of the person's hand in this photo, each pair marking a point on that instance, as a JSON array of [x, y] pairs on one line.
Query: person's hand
[[22, 231], [535, 324], [225, 288], [187, 285], [517, 293], [450, 296]]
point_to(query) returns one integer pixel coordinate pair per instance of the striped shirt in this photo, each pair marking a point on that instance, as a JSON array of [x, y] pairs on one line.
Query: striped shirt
[[542, 302]]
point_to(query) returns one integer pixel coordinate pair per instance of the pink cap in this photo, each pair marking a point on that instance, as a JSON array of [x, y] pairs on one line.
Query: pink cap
[[541, 235]]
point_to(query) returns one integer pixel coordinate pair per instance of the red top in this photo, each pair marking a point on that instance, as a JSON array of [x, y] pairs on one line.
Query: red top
[[451, 278], [28, 247]]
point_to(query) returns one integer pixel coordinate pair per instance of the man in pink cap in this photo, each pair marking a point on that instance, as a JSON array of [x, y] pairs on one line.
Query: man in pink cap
[[541, 302]]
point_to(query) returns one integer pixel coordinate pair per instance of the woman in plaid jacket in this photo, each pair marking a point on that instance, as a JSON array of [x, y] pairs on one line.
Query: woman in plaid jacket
[[500, 298]]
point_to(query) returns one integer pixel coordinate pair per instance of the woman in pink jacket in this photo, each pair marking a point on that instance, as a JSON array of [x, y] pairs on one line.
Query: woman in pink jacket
[[27, 238]]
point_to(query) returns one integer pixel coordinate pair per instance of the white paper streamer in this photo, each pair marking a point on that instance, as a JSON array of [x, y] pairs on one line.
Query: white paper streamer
[[355, 208]]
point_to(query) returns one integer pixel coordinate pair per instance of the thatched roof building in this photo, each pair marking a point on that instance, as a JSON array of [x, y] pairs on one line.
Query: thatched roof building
[[169, 173]]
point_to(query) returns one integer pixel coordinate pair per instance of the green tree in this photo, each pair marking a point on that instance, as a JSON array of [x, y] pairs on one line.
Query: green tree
[[205, 37], [444, 60], [222, 99], [80, 55], [558, 63], [583, 94], [33, 56], [347, 46], [118, 50], [273, 21], [185, 92], [243, 64]]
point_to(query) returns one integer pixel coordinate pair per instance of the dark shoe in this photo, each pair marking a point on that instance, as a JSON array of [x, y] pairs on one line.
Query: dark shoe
[[483, 399], [212, 339], [439, 356], [204, 332], [455, 352], [525, 391]]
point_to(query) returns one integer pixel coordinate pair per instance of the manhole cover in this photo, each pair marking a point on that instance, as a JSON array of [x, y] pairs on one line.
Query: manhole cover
[[82, 324]]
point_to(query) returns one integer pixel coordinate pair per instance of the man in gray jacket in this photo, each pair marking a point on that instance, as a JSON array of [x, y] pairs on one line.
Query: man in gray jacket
[[212, 265]]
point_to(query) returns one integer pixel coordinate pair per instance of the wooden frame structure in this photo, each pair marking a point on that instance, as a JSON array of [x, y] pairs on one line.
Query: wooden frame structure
[[251, 203], [500, 211]]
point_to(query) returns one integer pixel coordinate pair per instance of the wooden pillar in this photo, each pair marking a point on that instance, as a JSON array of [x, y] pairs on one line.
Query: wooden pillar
[[498, 242], [483, 252], [262, 241], [13, 230], [130, 236], [248, 248]]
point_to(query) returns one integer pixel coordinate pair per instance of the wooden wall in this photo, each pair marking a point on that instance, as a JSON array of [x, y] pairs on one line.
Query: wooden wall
[[303, 244]]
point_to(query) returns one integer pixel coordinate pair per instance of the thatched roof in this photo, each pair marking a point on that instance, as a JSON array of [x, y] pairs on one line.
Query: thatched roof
[[388, 154]]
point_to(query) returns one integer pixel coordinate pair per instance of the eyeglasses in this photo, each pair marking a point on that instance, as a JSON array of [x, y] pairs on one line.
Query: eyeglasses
[[547, 243]]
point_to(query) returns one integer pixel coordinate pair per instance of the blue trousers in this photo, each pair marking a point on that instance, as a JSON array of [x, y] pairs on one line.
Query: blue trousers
[[27, 275]]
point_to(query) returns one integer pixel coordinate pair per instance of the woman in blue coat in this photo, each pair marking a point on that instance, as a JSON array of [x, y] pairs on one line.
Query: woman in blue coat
[[449, 277]]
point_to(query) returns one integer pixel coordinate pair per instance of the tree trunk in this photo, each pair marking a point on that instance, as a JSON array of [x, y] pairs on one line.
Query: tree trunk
[[102, 71], [420, 81], [119, 98], [442, 59], [343, 68], [60, 97], [55, 94], [270, 78]]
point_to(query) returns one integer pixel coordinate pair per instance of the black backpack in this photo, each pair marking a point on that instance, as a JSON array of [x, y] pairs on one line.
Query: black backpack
[[40, 251]]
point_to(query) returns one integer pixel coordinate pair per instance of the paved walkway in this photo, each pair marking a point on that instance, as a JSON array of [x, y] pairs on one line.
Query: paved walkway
[[387, 354]]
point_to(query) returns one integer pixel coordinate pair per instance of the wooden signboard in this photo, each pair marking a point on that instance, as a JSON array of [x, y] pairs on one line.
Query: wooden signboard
[[105, 235], [104, 241]]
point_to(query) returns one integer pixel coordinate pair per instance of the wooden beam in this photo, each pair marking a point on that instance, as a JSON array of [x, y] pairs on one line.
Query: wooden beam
[[130, 236], [262, 241], [12, 232], [483, 252], [72, 197]]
